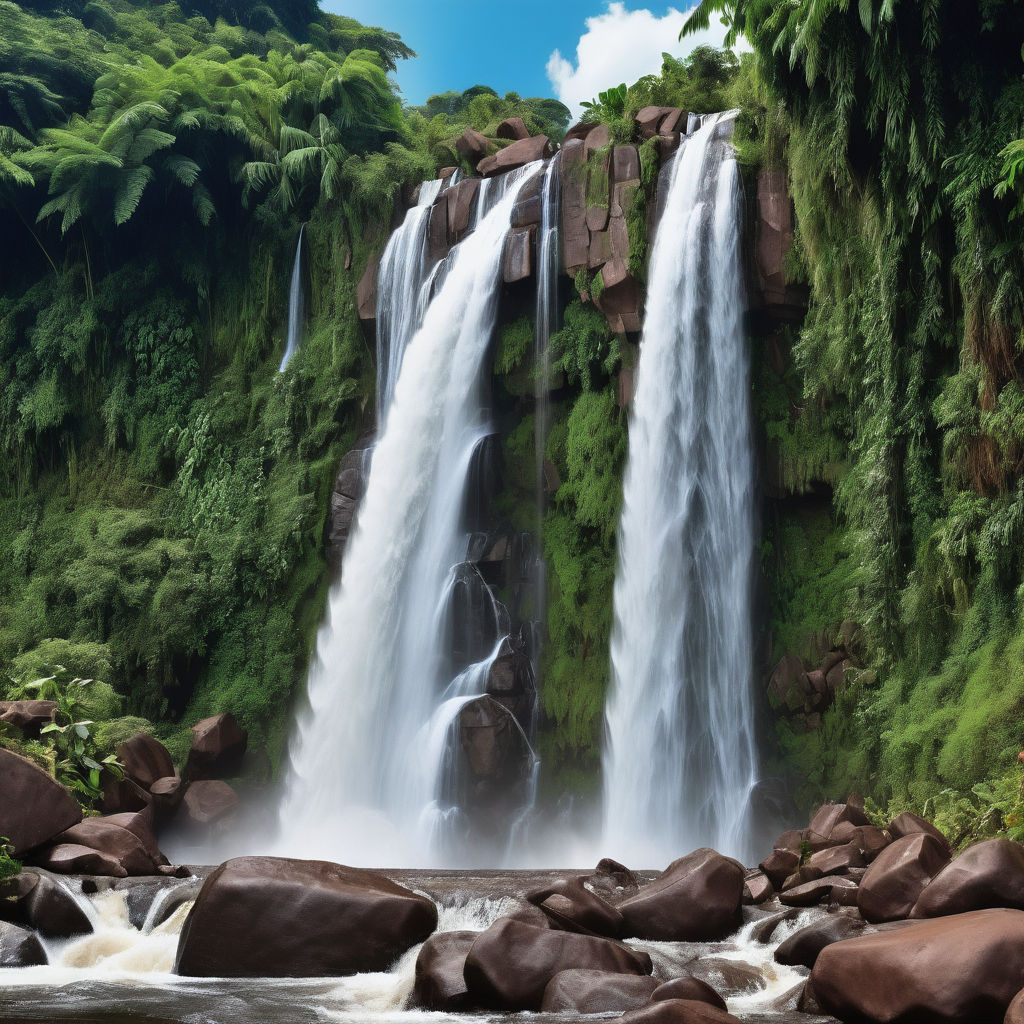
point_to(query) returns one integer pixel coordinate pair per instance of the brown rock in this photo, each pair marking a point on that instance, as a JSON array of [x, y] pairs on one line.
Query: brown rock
[[898, 875], [869, 840], [517, 259], [908, 824], [757, 888], [830, 815], [440, 984], [145, 759], [520, 153], [121, 795], [74, 859], [620, 299], [697, 897], [692, 989], [786, 684], [802, 947], [950, 970], [599, 137], [28, 715], [1015, 1011], [366, 292], [837, 860], [461, 200], [625, 165], [987, 874], [218, 746], [209, 801], [779, 865], [35, 900], [729, 977], [243, 923], [33, 807], [678, 1011], [122, 838], [584, 991], [512, 128], [774, 239], [510, 964], [671, 122], [572, 182], [829, 889], [437, 229], [570, 905], [346, 495], [527, 212], [473, 146], [20, 947], [649, 118], [167, 792]]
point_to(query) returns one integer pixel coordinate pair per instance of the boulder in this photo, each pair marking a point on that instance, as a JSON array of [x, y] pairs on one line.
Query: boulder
[[802, 947], [830, 815], [275, 917], [510, 964], [33, 806], [124, 839], [964, 969], [511, 683], [366, 292], [519, 154], [830, 888], [649, 118], [678, 1011], [908, 824], [145, 759], [598, 138], [837, 860], [570, 905], [572, 181], [437, 229], [45, 905], [461, 201], [625, 165], [20, 947], [347, 493], [692, 989], [1015, 1011], [74, 859], [786, 684], [988, 874], [473, 146], [757, 888], [583, 991], [512, 128], [728, 977], [167, 792], [779, 865], [673, 121], [440, 984], [121, 795], [27, 715], [620, 299], [517, 258], [893, 884], [869, 840], [697, 897], [773, 240], [218, 746], [208, 802]]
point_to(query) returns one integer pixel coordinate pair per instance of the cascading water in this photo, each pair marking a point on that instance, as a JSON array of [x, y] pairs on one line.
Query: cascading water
[[679, 759], [296, 306], [363, 781]]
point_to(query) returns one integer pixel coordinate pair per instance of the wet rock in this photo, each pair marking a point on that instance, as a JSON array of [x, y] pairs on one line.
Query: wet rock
[[964, 969], [827, 889], [871, 841], [697, 897], [620, 299], [145, 759], [765, 928], [908, 824], [988, 874], [511, 683], [437, 229], [773, 240], [893, 884], [121, 795], [160, 897], [728, 977], [33, 807], [517, 258], [757, 888], [473, 146], [20, 947], [802, 947], [802, 875], [584, 991], [75, 859], [572, 182], [510, 964], [37, 901], [243, 923], [678, 1011], [692, 989], [124, 839], [830, 815], [218, 746], [27, 715], [366, 293], [1015, 1011], [520, 153], [440, 984], [512, 128], [461, 202], [779, 865], [209, 802], [837, 860], [570, 905]]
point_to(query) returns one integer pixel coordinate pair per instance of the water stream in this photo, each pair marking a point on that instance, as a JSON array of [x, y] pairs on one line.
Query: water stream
[[296, 306], [679, 760]]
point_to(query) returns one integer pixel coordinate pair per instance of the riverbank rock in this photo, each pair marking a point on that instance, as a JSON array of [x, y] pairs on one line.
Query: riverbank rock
[[803, 947], [894, 882], [27, 715], [964, 969], [125, 840], [908, 824], [696, 898], [510, 964], [208, 802], [33, 806], [145, 759], [75, 859], [20, 947], [276, 917], [582, 991], [678, 1011], [569, 905], [692, 989], [988, 874], [37, 901], [440, 983], [218, 746]]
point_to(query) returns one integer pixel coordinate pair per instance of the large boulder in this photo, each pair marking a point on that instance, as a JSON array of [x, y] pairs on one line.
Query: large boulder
[[124, 839], [366, 293], [440, 983], [145, 759], [512, 128], [1015, 1011], [696, 898], [779, 865], [276, 917], [830, 816], [570, 905], [519, 154], [988, 874], [510, 964], [20, 947], [35, 900], [473, 146], [893, 883], [575, 235], [620, 298], [218, 746], [582, 991], [692, 989], [907, 824], [951, 970], [27, 715], [33, 806], [830, 889], [209, 802], [75, 859], [678, 1011], [803, 947]]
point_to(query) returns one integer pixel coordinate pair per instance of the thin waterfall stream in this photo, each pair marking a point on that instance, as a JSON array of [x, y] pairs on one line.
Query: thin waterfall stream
[[296, 306], [679, 759]]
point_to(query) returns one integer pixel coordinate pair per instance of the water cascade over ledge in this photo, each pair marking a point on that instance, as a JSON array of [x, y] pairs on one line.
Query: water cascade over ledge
[[369, 779], [679, 759], [296, 306]]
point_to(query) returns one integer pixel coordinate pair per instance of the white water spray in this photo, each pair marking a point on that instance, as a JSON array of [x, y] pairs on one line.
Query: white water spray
[[679, 759]]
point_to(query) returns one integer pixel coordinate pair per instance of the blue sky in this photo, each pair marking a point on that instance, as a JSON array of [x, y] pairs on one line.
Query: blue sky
[[564, 48]]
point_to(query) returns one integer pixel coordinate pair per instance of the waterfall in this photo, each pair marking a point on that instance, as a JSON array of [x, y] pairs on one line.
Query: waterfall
[[296, 306], [679, 759], [364, 773]]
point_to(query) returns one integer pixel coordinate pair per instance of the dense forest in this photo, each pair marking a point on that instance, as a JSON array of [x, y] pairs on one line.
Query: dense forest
[[164, 488]]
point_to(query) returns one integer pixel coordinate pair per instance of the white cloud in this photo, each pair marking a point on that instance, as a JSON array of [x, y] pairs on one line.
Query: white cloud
[[622, 46]]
